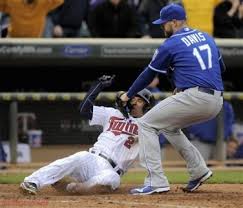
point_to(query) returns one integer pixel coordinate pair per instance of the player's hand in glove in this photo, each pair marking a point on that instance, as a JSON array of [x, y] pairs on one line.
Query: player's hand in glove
[[124, 97], [121, 105], [106, 80]]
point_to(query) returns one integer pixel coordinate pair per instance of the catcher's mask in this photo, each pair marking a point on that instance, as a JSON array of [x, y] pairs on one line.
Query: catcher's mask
[[145, 94]]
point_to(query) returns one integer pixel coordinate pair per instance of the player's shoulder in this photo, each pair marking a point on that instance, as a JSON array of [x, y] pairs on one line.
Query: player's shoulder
[[182, 32], [165, 46], [109, 111], [176, 37], [190, 34], [105, 108]]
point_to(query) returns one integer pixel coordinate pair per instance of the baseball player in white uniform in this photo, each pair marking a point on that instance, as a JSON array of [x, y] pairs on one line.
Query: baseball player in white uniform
[[112, 154]]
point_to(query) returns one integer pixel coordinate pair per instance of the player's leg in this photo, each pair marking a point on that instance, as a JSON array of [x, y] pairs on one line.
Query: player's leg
[[53, 172], [156, 177], [196, 166], [170, 115], [96, 174], [162, 116], [150, 158], [106, 181], [195, 163]]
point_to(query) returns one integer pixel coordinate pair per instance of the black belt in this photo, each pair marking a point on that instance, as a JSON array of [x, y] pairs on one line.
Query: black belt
[[208, 90], [112, 163], [202, 89]]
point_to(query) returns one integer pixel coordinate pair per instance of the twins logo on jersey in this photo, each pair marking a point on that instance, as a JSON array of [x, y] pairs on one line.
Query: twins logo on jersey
[[122, 126]]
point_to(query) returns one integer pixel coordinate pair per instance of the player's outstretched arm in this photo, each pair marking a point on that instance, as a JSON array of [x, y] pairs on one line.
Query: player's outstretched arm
[[86, 106]]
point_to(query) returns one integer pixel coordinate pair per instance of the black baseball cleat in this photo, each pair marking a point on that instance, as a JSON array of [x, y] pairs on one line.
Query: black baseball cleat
[[29, 188], [193, 185]]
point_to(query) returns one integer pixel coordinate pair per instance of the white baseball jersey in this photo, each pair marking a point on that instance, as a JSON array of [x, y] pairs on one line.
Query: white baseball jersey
[[117, 142], [118, 139]]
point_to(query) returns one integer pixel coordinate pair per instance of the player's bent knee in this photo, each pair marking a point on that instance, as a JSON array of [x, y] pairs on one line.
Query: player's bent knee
[[112, 179]]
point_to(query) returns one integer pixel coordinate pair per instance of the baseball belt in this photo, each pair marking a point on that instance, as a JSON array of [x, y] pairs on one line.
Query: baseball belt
[[202, 89], [112, 163]]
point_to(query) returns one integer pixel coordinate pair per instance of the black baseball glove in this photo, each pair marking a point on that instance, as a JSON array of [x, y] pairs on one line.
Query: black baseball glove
[[120, 105], [106, 80]]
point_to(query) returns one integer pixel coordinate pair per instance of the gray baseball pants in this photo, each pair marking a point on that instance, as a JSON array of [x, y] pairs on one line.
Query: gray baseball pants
[[170, 116]]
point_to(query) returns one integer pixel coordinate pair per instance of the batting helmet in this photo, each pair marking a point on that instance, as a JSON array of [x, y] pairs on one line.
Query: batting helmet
[[145, 94], [148, 97]]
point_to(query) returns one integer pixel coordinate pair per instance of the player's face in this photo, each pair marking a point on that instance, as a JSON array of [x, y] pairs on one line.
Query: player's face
[[168, 28], [137, 105]]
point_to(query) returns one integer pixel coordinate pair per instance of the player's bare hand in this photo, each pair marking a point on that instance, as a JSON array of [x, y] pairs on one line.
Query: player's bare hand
[[106, 80], [124, 97]]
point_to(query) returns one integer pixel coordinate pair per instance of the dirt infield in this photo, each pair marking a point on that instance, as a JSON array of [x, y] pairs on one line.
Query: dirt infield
[[209, 195]]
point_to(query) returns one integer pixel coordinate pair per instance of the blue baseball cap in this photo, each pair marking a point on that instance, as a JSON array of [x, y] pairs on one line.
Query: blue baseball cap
[[170, 12]]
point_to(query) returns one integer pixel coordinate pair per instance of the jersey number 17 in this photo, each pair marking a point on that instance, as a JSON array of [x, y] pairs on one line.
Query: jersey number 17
[[197, 52]]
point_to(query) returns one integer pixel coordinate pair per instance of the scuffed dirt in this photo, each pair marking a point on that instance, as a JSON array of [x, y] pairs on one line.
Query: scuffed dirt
[[208, 195]]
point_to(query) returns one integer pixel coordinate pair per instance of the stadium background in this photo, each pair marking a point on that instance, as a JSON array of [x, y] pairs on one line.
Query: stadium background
[[68, 65], [63, 65], [25, 70]]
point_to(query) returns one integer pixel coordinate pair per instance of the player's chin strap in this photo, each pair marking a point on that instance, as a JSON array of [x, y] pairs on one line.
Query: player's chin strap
[[112, 163]]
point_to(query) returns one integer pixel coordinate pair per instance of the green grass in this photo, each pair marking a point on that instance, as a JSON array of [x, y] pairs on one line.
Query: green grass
[[10, 178], [176, 177], [181, 177]]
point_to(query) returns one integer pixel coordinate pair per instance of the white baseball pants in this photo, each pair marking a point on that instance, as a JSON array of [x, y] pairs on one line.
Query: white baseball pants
[[85, 167]]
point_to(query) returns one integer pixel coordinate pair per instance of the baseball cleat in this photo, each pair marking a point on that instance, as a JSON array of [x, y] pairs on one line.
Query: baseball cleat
[[146, 190], [193, 185], [29, 188]]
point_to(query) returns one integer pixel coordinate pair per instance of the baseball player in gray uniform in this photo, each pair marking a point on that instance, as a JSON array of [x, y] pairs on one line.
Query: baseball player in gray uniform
[[112, 154], [194, 63]]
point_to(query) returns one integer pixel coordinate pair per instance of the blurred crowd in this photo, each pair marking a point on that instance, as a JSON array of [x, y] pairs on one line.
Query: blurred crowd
[[114, 18]]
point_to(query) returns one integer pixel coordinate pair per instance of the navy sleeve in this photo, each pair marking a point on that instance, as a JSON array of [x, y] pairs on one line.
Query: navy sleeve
[[86, 106], [143, 80]]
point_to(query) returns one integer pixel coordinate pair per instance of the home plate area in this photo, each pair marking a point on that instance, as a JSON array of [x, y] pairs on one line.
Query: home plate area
[[207, 196]]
